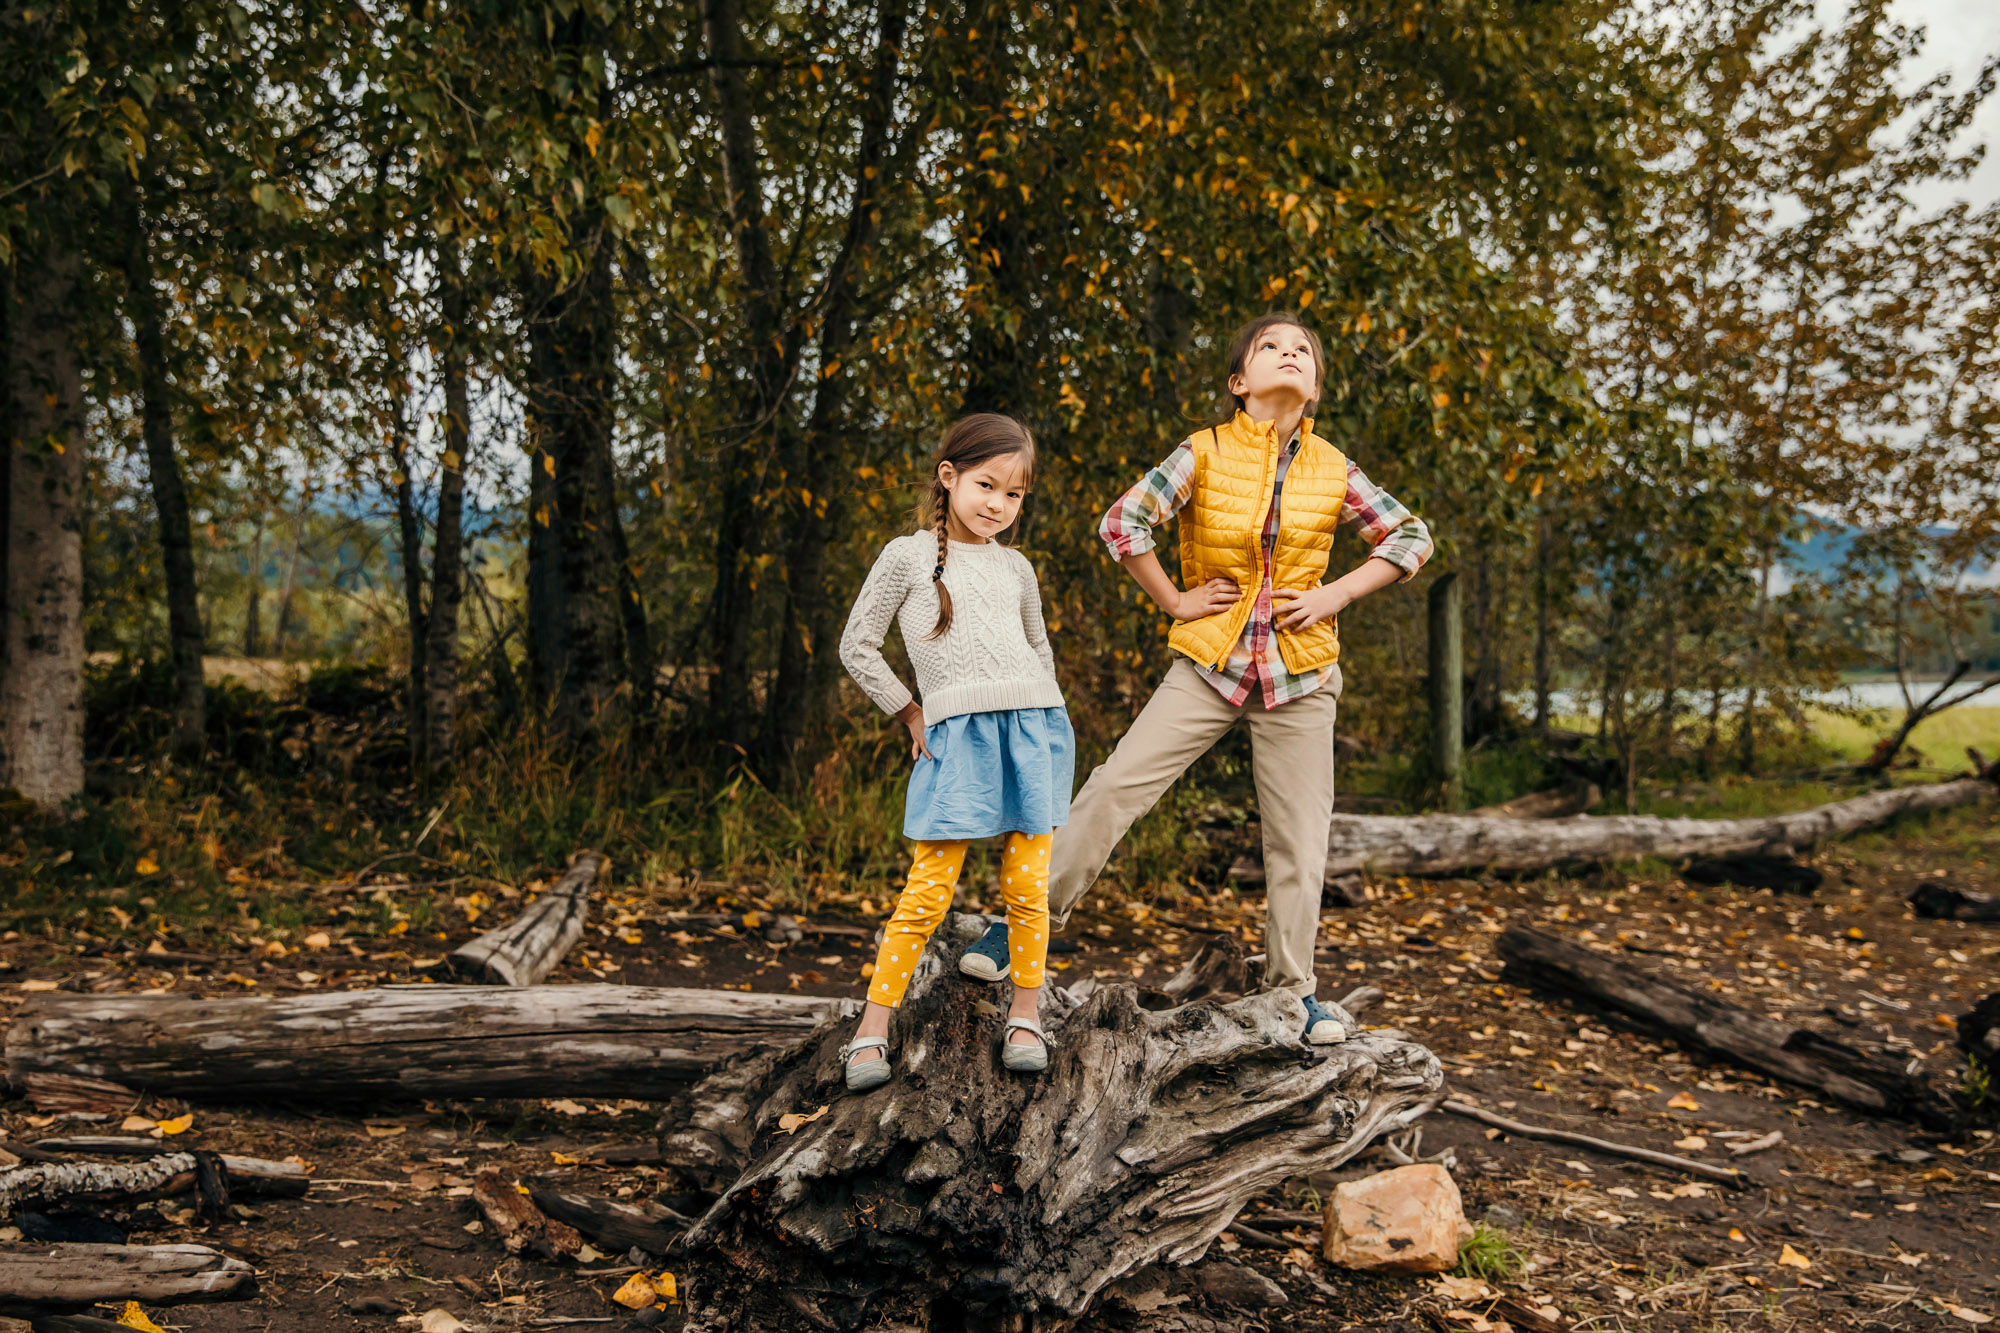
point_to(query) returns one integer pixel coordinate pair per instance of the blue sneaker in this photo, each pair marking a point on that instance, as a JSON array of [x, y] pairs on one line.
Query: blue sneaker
[[1322, 1028], [987, 958]]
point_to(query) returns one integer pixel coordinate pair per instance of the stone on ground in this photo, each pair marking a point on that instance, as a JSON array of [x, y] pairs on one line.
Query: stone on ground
[[1409, 1220]]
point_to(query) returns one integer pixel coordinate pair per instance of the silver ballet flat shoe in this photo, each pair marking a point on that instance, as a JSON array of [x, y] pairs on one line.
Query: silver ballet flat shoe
[[869, 1074], [1019, 1056]]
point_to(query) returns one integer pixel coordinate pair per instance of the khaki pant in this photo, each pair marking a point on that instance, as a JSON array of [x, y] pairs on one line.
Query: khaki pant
[[1291, 749]]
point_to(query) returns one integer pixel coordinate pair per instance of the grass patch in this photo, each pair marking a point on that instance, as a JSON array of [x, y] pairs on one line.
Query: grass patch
[[1490, 1255], [1941, 740]]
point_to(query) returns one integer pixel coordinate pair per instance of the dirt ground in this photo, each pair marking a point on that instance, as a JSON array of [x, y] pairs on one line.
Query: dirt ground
[[1849, 1223]]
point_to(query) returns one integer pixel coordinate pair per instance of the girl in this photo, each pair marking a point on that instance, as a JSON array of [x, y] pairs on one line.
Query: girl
[[992, 742], [1259, 496]]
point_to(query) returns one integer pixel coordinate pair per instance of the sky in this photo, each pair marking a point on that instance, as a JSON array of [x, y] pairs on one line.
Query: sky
[[1961, 34]]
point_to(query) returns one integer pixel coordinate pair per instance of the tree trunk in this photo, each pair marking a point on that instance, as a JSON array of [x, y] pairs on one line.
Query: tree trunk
[[448, 542], [530, 946], [963, 1196], [74, 1277], [184, 632], [548, 631], [411, 538], [291, 576], [253, 632], [405, 1041], [1449, 844], [1543, 556], [1447, 686], [41, 533], [1697, 1019], [1483, 699]]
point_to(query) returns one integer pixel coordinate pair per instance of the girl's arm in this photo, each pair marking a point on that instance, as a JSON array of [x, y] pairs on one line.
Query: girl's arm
[[1127, 529], [875, 606], [1031, 618], [1400, 544]]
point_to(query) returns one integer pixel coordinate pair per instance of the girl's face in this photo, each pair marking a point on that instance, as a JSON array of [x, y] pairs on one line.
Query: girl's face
[[985, 497], [1280, 370]]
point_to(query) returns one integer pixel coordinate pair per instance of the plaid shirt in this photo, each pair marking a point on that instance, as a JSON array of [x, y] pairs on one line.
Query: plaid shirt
[[1394, 533]]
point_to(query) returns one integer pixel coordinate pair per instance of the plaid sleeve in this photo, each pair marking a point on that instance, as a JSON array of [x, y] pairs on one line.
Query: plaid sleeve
[[1127, 527], [1396, 534]]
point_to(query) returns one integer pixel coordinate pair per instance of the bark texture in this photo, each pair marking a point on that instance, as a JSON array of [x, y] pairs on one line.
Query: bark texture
[[1694, 1018], [78, 1276], [448, 540], [1445, 844], [530, 946], [66, 1186], [961, 1196], [406, 1041], [41, 533]]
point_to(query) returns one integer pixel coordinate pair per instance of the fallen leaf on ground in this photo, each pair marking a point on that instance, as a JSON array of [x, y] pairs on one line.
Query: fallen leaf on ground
[[791, 1121], [180, 1124], [1459, 1288], [385, 1131], [134, 1317], [319, 939], [1681, 1101], [1912, 1260], [564, 1106], [1692, 1143], [40, 983], [1967, 1313], [440, 1321], [1791, 1258], [137, 1124], [637, 1293]]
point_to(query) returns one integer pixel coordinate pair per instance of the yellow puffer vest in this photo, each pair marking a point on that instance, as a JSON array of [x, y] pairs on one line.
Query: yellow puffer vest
[[1222, 535]]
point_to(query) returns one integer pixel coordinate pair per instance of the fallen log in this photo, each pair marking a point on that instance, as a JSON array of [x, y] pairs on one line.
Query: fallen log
[[960, 1195], [406, 1041], [1449, 844], [1696, 1019], [530, 946], [75, 1277], [1572, 798], [70, 1186], [616, 1224], [1941, 902], [520, 1225]]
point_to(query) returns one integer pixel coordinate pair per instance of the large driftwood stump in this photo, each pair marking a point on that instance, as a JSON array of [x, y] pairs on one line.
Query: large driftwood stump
[[1694, 1018], [406, 1041], [1447, 844], [530, 946], [75, 1277], [962, 1196]]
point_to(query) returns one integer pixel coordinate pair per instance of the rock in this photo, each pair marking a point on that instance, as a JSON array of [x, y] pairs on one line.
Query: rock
[[1409, 1220], [1502, 1218], [373, 1305], [1239, 1284]]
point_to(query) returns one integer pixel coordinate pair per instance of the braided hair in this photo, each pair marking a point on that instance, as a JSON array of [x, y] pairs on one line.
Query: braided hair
[[972, 440]]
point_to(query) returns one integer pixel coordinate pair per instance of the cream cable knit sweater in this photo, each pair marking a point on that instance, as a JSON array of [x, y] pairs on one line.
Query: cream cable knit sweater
[[994, 657]]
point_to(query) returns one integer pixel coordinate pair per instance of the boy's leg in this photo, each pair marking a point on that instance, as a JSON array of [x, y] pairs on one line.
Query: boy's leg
[[1291, 757], [934, 868], [1179, 723]]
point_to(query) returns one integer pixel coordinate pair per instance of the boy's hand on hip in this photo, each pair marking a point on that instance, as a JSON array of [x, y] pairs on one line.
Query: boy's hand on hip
[[912, 717], [1297, 609], [1206, 599]]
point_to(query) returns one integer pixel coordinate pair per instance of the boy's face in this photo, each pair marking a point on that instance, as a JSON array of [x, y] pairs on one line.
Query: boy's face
[[986, 497], [1280, 371]]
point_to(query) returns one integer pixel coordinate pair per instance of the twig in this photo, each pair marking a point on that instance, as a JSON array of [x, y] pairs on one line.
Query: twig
[[1771, 1140], [1728, 1175], [1260, 1238]]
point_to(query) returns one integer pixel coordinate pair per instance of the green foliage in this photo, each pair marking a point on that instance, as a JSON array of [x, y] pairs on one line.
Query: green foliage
[[1490, 1255]]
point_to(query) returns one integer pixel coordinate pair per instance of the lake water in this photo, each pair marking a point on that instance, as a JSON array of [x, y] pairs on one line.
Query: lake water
[[1882, 694]]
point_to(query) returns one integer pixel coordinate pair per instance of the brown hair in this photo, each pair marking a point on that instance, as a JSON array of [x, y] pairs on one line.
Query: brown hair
[[972, 440], [1245, 340]]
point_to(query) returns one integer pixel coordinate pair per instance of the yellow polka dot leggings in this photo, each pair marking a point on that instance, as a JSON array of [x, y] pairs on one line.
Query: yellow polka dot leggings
[[1024, 885]]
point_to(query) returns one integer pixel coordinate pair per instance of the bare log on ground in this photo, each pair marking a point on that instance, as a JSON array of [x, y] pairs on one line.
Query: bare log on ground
[[522, 1227], [1694, 1018], [74, 1277], [1728, 1175], [1447, 844], [964, 1196], [616, 1224], [69, 1186], [1941, 902], [407, 1041], [530, 946]]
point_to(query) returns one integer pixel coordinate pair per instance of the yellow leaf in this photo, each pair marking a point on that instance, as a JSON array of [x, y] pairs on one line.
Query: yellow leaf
[[667, 1287], [136, 1124], [134, 1317], [1735, 1233], [399, 927], [637, 1293], [180, 1124], [1967, 1313], [319, 939], [791, 1122], [752, 920], [1791, 1258], [562, 1158], [385, 1131], [1682, 1102], [1692, 1143], [147, 866]]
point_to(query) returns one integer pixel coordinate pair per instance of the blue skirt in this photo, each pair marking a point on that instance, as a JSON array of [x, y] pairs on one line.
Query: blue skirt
[[992, 773]]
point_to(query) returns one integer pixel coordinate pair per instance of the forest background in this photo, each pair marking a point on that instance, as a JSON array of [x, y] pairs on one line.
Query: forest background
[[457, 429]]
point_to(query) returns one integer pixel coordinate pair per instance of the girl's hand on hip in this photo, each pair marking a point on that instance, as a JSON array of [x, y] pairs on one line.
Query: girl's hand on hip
[[912, 717], [1296, 609], [1207, 599]]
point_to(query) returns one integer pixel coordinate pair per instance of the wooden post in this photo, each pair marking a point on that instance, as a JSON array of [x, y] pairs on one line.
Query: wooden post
[[1447, 690]]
